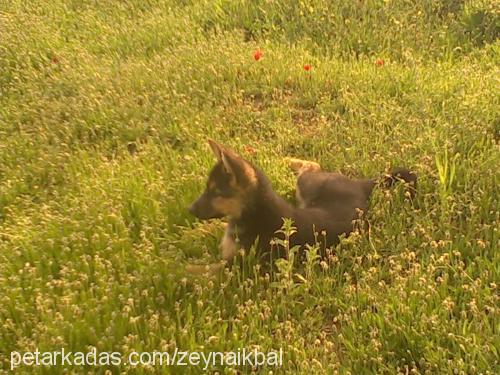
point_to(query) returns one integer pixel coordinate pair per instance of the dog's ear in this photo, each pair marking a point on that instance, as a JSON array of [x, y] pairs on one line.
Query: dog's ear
[[216, 149], [231, 162], [242, 173]]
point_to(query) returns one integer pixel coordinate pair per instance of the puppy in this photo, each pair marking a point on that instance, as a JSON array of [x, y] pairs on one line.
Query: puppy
[[329, 203]]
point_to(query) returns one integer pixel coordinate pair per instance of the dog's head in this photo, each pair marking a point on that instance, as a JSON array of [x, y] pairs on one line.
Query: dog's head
[[230, 186]]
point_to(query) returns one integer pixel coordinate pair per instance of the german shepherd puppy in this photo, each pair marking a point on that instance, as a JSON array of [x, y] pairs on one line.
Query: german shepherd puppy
[[328, 203]]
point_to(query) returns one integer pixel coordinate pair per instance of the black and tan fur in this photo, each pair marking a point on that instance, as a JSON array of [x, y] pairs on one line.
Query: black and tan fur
[[328, 203]]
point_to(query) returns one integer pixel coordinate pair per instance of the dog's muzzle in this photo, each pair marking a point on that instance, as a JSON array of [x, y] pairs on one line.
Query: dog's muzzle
[[202, 208]]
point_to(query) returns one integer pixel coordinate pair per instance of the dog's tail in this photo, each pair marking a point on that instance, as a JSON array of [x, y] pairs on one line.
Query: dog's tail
[[403, 175]]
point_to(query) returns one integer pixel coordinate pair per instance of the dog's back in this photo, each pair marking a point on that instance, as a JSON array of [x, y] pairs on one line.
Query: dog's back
[[335, 193]]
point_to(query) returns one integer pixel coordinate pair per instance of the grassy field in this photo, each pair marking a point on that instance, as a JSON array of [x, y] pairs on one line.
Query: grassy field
[[105, 108]]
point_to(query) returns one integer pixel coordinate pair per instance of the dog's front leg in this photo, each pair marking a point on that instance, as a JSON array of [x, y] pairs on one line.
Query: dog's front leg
[[228, 245]]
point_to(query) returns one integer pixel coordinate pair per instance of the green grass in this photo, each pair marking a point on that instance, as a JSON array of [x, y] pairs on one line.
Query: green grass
[[93, 239]]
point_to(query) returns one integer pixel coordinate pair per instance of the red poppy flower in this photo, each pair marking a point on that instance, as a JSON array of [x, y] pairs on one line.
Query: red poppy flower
[[379, 62], [307, 67], [257, 55]]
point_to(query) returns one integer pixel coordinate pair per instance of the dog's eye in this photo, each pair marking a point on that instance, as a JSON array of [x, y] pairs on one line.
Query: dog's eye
[[215, 191]]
